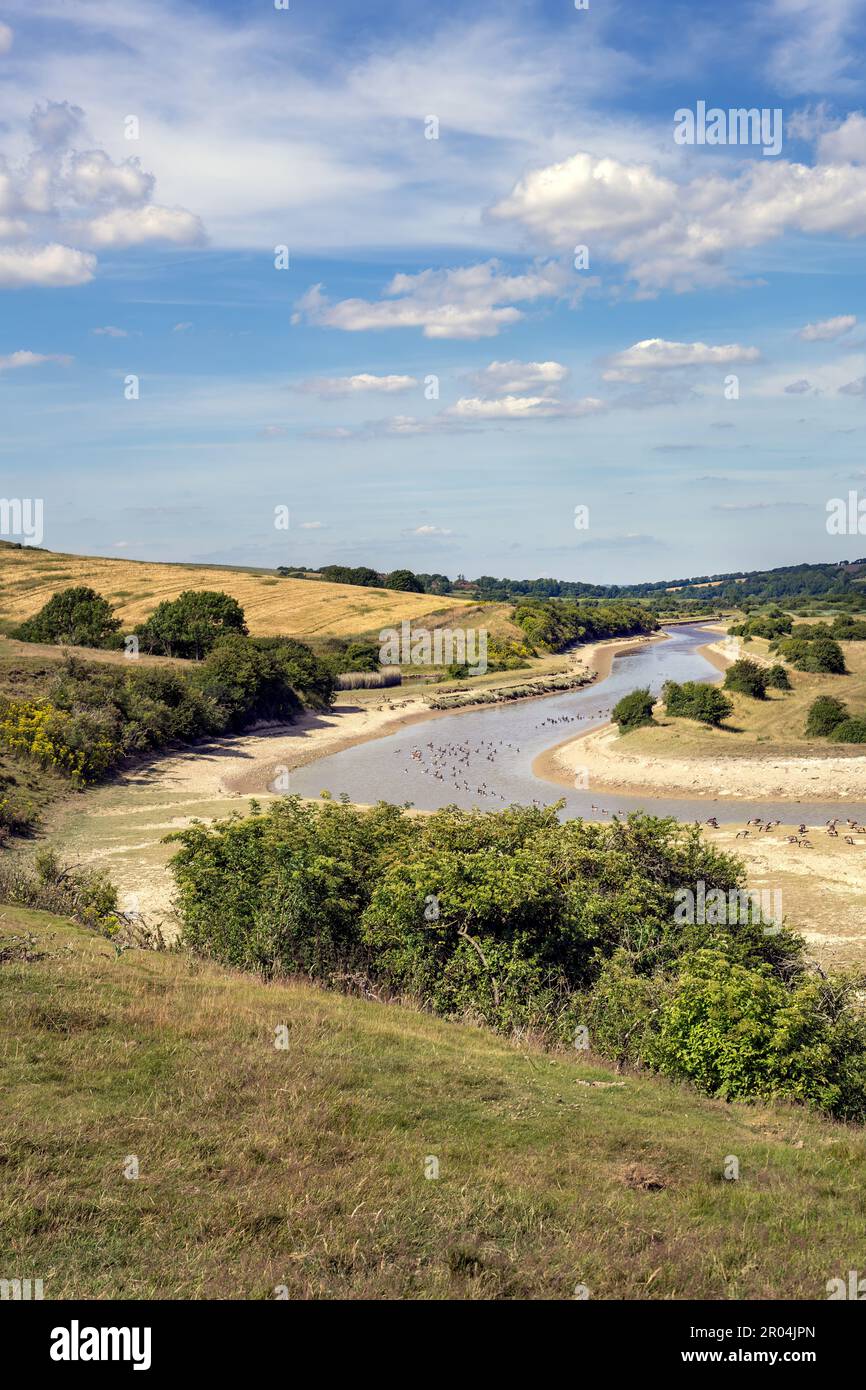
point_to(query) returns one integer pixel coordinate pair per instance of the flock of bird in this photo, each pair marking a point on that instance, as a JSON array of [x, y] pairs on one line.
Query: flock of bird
[[802, 836], [594, 715], [452, 763]]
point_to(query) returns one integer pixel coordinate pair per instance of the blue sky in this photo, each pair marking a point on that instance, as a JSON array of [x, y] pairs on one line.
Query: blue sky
[[604, 385]]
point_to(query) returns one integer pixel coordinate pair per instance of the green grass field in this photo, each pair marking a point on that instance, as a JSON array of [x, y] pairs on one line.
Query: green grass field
[[305, 1167]]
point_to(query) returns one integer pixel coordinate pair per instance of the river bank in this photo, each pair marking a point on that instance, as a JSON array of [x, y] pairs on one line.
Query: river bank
[[249, 764], [611, 764]]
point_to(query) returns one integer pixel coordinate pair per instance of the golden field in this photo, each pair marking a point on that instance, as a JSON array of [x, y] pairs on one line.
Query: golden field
[[292, 607]]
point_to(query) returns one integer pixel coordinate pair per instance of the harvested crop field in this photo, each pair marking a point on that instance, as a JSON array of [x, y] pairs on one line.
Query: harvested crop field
[[294, 607]]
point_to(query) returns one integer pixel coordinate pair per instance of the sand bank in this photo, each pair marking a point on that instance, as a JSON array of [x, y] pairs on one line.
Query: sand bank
[[605, 757]]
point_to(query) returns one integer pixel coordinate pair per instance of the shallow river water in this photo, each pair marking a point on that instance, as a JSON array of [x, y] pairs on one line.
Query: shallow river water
[[485, 757]]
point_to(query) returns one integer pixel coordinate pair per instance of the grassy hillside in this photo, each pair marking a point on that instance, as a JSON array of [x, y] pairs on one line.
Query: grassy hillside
[[293, 607], [771, 727], [304, 1167]]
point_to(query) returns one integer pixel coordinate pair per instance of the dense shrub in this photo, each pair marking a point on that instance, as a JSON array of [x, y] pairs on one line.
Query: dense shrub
[[778, 678], [93, 717], [561, 623], [633, 710], [769, 625], [823, 655], [824, 714], [357, 656], [192, 623], [848, 629], [849, 731], [738, 1031], [347, 574], [697, 700], [747, 678], [77, 616], [522, 922], [76, 744]]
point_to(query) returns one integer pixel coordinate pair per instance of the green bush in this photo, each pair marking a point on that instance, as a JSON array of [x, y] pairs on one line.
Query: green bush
[[94, 717], [825, 713], [778, 678], [633, 710], [77, 616], [521, 922], [770, 625], [697, 700], [849, 731], [747, 678], [823, 655], [191, 624], [556, 624], [86, 895], [739, 1031]]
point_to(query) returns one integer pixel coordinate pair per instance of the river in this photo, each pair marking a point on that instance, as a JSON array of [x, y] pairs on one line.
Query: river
[[497, 746]]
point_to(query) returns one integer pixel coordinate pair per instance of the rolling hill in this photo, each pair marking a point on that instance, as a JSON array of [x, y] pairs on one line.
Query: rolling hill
[[291, 607], [308, 1168]]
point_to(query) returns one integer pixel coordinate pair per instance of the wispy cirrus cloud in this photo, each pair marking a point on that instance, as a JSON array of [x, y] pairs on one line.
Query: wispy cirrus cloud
[[24, 358], [358, 384], [827, 330]]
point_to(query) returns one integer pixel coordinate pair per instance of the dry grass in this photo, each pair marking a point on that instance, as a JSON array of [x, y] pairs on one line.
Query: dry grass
[[304, 1167], [295, 607], [773, 727]]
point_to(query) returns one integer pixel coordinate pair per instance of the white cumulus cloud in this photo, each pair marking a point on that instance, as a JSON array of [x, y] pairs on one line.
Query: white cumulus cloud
[[654, 354], [468, 302], [671, 235], [519, 378], [522, 408], [133, 226], [51, 266]]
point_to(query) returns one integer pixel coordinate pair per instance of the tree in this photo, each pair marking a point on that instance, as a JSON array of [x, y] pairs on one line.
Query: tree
[[358, 656], [697, 700], [633, 710], [404, 581], [79, 616], [824, 715], [825, 655], [190, 624], [748, 678]]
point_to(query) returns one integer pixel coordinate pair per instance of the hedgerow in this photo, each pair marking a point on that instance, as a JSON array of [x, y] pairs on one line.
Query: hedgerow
[[523, 923]]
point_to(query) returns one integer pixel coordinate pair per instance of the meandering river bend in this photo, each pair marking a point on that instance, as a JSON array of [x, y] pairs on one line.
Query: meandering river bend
[[484, 758]]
